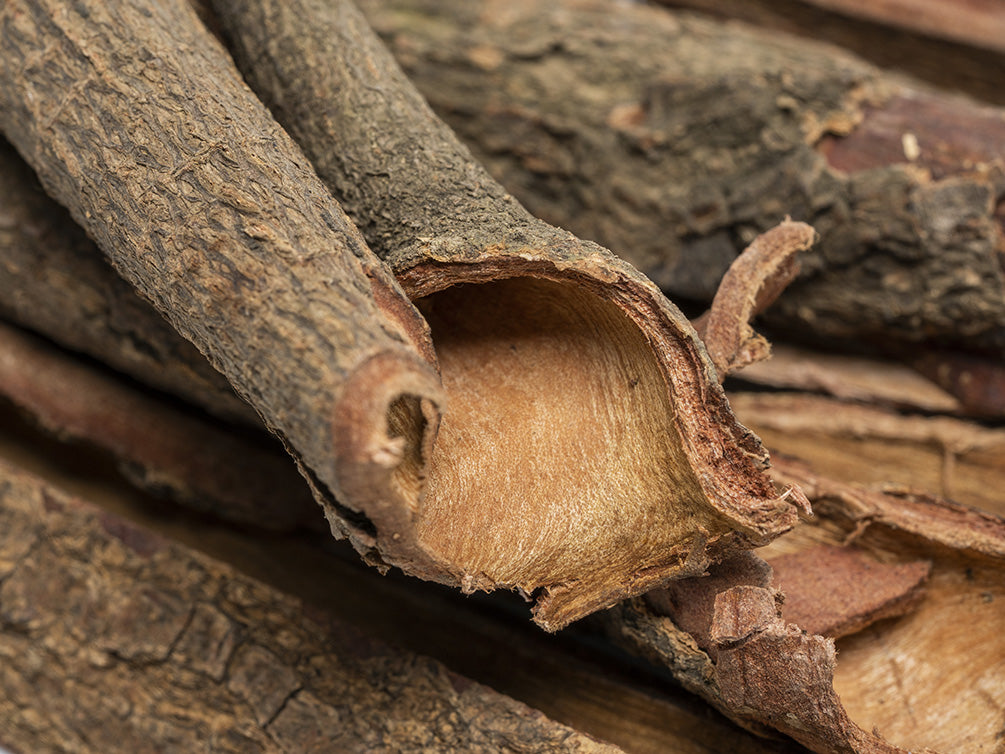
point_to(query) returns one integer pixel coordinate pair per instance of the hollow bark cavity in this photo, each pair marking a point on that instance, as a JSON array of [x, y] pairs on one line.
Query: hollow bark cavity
[[560, 440]]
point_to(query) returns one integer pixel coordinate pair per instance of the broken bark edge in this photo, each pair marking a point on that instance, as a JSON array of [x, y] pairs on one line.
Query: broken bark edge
[[385, 423]]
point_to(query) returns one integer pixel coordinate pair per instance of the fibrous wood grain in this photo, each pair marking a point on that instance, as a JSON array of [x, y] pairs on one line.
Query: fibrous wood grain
[[115, 639], [569, 377], [672, 139], [135, 118]]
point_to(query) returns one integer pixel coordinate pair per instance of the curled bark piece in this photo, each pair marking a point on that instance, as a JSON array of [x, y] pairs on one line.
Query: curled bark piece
[[674, 140], [175, 454], [751, 285], [113, 638], [929, 678], [202, 201], [588, 453], [54, 281]]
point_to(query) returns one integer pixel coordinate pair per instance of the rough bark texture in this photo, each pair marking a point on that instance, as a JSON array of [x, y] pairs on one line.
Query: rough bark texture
[[517, 307], [932, 678], [672, 140], [174, 453], [56, 282], [135, 118], [115, 639]]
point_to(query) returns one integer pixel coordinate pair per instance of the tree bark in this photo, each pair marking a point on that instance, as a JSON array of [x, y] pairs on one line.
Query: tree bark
[[921, 680], [515, 306], [956, 46], [56, 282], [113, 639], [178, 454], [204, 203], [672, 139]]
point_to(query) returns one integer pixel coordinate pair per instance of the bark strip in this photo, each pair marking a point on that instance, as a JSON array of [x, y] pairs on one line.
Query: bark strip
[[115, 639], [569, 377], [182, 456], [135, 118]]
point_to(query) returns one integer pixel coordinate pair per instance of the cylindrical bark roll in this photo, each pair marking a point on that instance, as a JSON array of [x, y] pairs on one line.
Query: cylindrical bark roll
[[135, 118], [588, 452]]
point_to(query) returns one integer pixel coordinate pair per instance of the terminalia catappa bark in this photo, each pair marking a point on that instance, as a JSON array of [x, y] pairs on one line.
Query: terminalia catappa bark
[[586, 452]]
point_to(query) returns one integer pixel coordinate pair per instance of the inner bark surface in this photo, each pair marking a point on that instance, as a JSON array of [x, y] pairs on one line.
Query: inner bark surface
[[558, 457]]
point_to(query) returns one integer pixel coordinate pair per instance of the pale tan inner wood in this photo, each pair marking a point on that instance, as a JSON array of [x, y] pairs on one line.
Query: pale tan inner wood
[[558, 457], [935, 677]]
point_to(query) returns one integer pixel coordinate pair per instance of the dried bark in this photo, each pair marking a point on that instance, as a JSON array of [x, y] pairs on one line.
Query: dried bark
[[175, 454], [56, 282], [957, 46], [204, 203], [672, 140], [960, 460], [921, 680], [113, 638], [561, 364]]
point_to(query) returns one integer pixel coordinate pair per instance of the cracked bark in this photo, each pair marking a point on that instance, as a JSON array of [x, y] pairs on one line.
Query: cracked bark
[[113, 638]]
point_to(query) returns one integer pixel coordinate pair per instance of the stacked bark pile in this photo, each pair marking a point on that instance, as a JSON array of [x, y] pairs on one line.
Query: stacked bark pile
[[335, 284]]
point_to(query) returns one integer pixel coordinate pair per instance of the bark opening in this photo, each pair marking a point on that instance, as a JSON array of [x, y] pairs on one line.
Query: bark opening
[[560, 440]]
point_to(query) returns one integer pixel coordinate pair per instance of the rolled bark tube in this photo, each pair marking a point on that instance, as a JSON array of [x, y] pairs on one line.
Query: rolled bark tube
[[136, 120], [588, 453]]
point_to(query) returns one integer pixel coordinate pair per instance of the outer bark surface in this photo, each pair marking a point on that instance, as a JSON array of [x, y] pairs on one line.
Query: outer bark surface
[[55, 282], [135, 118], [569, 377], [672, 140], [114, 639]]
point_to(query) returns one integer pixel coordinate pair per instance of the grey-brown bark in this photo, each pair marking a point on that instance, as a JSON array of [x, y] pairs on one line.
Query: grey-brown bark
[[137, 121], [173, 452], [56, 282], [671, 139], [113, 638], [514, 305]]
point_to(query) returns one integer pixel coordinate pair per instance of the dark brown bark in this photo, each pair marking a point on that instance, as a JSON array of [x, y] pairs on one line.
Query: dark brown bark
[[113, 638], [56, 282], [672, 139], [135, 118], [174, 453], [569, 377]]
